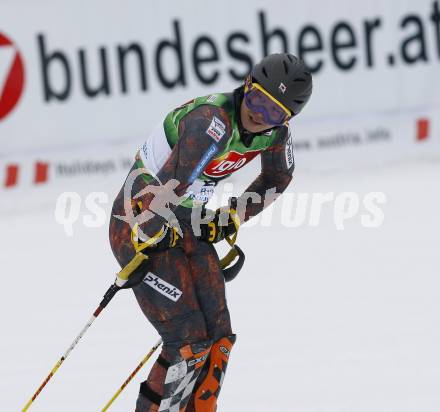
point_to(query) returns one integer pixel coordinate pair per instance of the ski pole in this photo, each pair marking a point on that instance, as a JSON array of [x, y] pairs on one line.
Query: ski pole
[[121, 279], [132, 375]]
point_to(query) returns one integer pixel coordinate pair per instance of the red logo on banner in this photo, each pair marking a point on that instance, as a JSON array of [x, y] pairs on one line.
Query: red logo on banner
[[41, 171], [229, 164], [11, 76], [422, 129], [13, 174]]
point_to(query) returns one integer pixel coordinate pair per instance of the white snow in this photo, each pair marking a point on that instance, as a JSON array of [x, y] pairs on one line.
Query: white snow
[[327, 320]]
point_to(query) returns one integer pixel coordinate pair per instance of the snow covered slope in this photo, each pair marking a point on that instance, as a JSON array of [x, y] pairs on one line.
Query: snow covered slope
[[327, 320]]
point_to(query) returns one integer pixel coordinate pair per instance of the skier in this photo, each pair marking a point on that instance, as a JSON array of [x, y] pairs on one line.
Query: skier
[[176, 170]]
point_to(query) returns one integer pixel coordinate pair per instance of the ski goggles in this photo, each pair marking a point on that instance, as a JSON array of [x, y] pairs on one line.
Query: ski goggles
[[260, 101]]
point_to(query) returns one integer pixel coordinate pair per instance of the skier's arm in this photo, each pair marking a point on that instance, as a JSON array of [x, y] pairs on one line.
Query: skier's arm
[[277, 165], [193, 150]]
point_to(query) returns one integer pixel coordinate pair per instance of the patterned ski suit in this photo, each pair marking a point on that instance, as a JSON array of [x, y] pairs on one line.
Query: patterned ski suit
[[183, 293]]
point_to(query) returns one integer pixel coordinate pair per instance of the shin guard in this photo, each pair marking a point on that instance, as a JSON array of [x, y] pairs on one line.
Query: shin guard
[[209, 385], [177, 385]]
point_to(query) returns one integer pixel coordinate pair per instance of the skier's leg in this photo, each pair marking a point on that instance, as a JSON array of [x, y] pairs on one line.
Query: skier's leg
[[168, 299], [208, 387], [181, 324], [172, 379], [209, 285], [210, 288]]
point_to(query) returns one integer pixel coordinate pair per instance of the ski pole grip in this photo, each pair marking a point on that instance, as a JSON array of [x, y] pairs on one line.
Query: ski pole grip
[[121, 279], [107, 297]]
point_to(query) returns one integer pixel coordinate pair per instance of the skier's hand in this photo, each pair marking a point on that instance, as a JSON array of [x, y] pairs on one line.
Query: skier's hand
[[224, 223], [167, 237], [169, 240]]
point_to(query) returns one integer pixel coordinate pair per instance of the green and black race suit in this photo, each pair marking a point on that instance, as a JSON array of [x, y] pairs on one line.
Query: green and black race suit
[[202, 142]]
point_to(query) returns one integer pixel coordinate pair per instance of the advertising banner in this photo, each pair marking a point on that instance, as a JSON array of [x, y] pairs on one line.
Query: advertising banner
[[90, 75]]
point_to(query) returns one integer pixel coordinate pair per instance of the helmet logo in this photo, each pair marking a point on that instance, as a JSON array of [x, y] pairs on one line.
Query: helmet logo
[[282, 87]]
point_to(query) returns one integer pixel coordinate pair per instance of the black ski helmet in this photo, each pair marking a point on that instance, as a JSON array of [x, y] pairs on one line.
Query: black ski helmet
[[286, 78]]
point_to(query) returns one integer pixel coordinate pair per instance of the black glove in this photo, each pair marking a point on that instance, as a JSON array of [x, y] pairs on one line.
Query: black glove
[[225, 223], [167, 237]]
